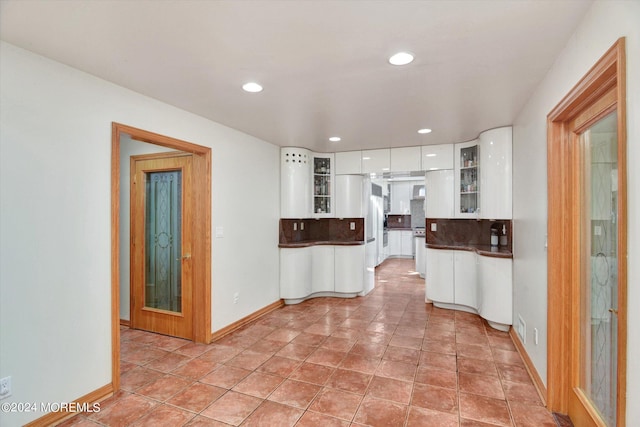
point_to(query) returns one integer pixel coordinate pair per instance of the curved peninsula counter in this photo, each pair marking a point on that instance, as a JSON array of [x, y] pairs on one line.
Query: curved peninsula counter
[[324, 258], [471, 277]]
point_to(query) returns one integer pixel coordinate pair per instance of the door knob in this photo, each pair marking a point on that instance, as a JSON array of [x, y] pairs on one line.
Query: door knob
[[185, 256], [613, 310]]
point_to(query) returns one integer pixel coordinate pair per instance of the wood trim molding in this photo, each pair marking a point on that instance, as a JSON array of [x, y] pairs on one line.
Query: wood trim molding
[[528, 364], [601, 91], [89, 399], [246, 320], [126, 323], [115, 256]]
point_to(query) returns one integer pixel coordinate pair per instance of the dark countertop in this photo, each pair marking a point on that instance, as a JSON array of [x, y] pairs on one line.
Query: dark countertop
[[309, 243], [484, 250], [399, 229]]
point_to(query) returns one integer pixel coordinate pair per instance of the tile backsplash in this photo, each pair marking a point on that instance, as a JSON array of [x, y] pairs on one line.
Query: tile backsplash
[[323, 229], [453, 232]]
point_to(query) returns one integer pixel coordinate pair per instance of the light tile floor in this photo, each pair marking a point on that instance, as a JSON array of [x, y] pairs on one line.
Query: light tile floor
[[387, 359]]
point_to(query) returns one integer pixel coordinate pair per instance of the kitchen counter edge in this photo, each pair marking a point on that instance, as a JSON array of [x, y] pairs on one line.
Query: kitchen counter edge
[[484, 250]]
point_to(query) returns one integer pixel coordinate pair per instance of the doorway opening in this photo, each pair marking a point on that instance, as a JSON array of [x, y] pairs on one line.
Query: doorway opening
[[199, 256]]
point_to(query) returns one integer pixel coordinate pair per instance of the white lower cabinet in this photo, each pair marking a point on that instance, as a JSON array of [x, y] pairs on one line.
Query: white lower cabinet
[[322, 269], [394, 242], [349, 268], [420, 255], [496, 300], [465, 280], [295, 272], [400, 243], [439, 277]]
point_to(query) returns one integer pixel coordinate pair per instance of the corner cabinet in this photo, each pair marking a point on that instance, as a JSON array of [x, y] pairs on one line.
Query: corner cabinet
[[467, 281], [306, 184], [467, 179], [323, 185], [295, 182], [496, 174]]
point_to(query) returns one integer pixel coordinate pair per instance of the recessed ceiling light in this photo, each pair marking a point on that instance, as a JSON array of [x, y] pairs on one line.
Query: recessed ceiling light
[[431, 155], [366, 158], [423, 131], [335, 139], [401, 58], [252, 87]]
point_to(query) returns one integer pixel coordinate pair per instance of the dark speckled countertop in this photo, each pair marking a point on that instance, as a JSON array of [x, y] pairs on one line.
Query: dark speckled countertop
[[484, 250], [307, 243]]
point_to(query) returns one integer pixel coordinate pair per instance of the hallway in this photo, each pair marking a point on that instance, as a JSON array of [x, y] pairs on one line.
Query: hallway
[[386, 359]]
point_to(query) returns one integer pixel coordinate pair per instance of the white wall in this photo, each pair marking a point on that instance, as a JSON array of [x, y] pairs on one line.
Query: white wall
[[55, 249], [602, 25]]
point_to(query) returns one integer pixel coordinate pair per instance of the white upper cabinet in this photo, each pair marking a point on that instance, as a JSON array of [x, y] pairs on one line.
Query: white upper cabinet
[[295, 182], [467, 179], [349, 162], [348, 198], [439, 186], [405, 159], [495, 173], [376, 161], [435, 157], [323, 185]]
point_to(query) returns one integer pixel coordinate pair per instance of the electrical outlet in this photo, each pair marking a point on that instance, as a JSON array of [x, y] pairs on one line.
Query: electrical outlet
[[295, 226], [399, 219], [5, 387], [236, 296], [535, 336], [434, 226], [301, 226], [352, 225]]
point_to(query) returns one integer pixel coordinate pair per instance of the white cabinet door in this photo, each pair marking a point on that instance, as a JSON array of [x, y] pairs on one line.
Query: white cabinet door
[[349, 268], [348, 163], [395, 242], [406, 243], [348, 196], [439, 275], [376, 161], [401, 195], [322, 269], [496, 297], [466, 278], [295, 272], [466, 190], [495, 174], [439, 186], [435, 157], [405, 159], [295, 182]]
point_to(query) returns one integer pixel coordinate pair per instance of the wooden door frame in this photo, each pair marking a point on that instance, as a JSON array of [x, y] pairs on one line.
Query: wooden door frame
[[201, 232], [605, 80]]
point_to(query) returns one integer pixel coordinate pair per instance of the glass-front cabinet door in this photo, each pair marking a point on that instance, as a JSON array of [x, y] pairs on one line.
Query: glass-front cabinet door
[[467, 200], [323, 185]]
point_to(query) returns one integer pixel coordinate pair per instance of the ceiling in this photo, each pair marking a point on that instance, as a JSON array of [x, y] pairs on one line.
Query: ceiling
[[323, 64]]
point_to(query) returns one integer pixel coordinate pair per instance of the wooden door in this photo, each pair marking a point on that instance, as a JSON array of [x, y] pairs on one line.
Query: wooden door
[[587, 306], [161, 244]]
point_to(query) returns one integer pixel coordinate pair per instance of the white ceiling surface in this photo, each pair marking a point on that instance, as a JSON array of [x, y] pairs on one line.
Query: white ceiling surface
[[323, 64]]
